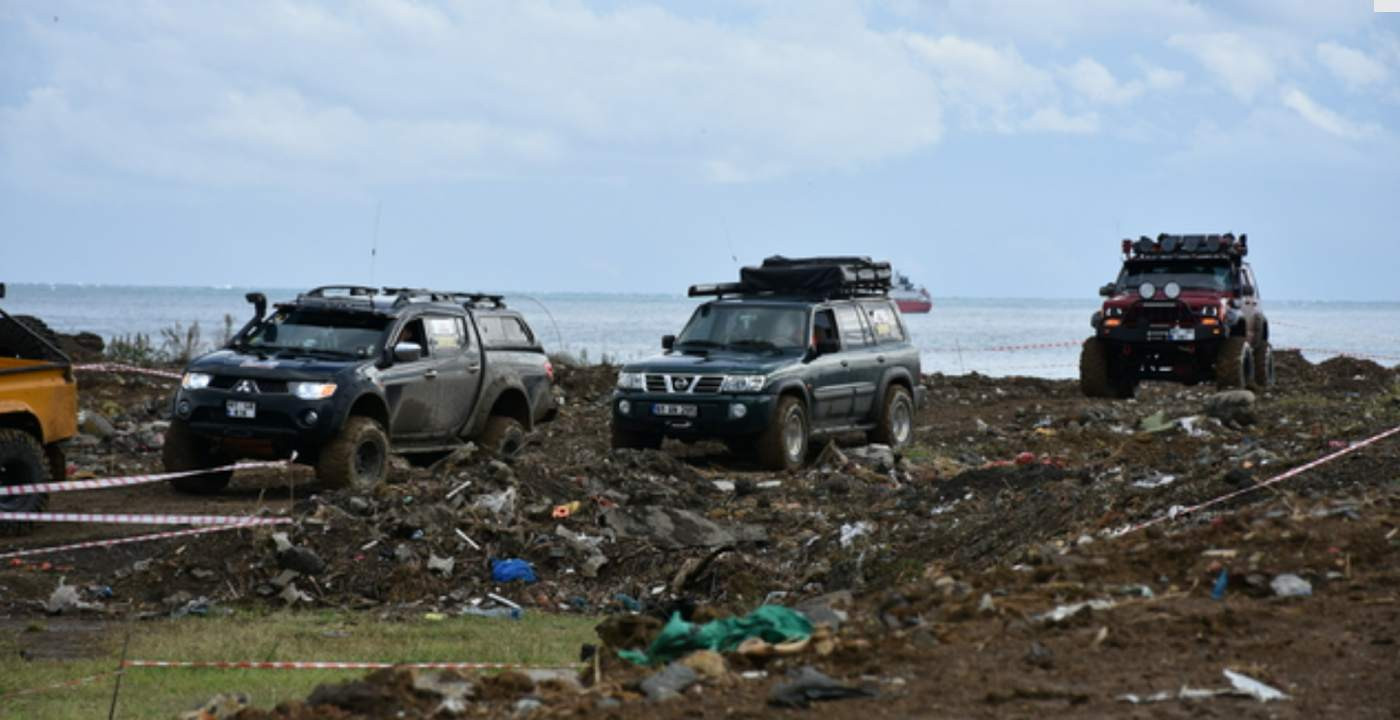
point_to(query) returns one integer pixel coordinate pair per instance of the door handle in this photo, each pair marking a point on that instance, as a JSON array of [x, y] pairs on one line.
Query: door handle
[[431, 374], [845, 363], [879, 358], [473, 369]]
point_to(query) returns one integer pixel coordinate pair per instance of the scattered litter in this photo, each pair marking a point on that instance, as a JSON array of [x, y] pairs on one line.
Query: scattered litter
[[1290, 585], [851, 531], [1065, 612], [806, 684], [506, 571]]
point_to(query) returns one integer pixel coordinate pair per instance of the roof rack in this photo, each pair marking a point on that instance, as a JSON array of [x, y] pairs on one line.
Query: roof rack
[[1226, 245], [825, 277]]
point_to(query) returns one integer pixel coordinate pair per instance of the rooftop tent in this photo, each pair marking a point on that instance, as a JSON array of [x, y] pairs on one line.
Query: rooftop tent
[[817, 276]]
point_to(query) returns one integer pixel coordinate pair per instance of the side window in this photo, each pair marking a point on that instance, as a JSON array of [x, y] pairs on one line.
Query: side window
[[823, 327], [466, 333], [884, 322], [444, 334], [516, 332], [853, 331], [412, 332], [1249, 278], [490, 328]]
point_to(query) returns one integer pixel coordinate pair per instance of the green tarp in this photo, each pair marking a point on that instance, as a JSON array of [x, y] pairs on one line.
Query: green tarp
[[772, 623]]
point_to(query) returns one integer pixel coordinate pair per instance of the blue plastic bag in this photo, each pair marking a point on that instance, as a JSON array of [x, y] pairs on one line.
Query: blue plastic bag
[[504, 571]]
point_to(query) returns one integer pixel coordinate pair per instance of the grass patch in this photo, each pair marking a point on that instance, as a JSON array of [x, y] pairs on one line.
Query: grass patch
[[537, 639]]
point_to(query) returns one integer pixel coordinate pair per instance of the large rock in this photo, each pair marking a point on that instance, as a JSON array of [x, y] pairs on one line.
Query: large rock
[[1232, 407]]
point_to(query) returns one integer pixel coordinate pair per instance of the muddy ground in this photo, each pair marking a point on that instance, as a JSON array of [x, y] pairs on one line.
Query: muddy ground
[[944, 556]]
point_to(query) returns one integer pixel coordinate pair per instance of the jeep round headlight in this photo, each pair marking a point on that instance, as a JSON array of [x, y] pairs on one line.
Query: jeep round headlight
[[742, 383], [1173, 290], [631, 381], [1147, 290], [195, 380], [312, 390]]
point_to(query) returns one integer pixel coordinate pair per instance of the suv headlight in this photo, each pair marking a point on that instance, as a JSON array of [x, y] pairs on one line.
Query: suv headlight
[[742, 383], [195, 380], [631, 381], [311, 390]]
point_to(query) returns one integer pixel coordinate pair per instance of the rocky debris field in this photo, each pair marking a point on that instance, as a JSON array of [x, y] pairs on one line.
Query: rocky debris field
[[977, 573]]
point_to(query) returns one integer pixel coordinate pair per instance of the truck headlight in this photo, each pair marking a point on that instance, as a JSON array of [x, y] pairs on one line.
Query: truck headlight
[[312, 390], [743, 383], [631, 381], [195, 380]]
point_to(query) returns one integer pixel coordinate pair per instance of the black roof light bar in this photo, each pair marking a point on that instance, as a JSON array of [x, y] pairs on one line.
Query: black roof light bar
[[1187, 245]]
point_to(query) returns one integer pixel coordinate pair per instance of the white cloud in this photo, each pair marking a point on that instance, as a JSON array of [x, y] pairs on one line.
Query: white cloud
[[1238, 62], [1326, 119], [284, 91], [1097, 84], [1161, 78], [1353, 68], [1053, 119], [988, 86]]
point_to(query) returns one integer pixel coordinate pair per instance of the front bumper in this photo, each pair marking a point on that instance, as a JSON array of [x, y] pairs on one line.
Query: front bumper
[[714, 417], [280, 417], [1164, 335]]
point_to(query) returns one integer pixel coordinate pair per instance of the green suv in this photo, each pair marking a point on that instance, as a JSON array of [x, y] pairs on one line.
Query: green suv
[[798, 349]]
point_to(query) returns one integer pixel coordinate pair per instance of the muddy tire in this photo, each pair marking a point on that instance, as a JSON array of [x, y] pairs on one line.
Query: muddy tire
[[1093, 370], [628, 440], [22, 462], [504, 436], [358, 457], [183, 451], [1264, 367], [783, 445], [18, 341], [896, 421], [1234, 365]]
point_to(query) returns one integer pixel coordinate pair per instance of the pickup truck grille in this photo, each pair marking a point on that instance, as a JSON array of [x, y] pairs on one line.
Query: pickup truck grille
[[1161, 314], [259, 385], [685, 384]]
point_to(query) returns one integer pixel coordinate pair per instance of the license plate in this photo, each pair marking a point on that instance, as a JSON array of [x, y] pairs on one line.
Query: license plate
[[241, 409], [665, 410], [1183, 334]]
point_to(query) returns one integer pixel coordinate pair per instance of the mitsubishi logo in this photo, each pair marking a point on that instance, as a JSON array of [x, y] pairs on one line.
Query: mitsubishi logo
[[245, 386], [679, 384]]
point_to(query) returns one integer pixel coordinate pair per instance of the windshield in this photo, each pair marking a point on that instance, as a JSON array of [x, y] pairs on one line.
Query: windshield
[[744, 327], [1189, 275], [350, 334]]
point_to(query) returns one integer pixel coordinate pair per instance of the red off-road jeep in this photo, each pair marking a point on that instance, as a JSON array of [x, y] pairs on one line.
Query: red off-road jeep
[[1184, 308]]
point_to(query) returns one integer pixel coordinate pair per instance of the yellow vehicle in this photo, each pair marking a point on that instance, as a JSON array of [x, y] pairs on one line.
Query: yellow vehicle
[[38, 412]]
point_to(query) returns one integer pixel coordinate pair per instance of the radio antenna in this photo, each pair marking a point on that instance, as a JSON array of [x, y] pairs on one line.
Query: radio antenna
[[374, 241]]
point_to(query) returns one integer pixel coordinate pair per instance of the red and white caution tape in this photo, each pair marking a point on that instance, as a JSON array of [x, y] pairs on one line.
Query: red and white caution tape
[[336, 665], [1179, 511], [129, 369], [124, 540], [137, 519], [60, 685], [1011, 348], [71, 485]]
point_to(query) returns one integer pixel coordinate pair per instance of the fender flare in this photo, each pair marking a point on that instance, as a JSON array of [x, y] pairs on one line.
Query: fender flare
[[892, 375], [486, 400], [368, 396], [790, 386]]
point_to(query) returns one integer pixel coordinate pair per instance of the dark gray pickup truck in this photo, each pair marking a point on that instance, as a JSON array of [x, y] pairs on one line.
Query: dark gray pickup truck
[[345, 375]]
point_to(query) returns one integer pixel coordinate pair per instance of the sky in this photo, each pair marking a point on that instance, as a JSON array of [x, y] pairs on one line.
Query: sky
[[988, 148]]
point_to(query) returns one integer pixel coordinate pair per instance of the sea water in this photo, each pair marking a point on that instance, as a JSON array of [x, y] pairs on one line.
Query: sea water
[[987, 335]]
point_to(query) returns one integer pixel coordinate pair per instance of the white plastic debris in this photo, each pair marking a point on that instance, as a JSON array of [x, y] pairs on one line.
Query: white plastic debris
[[1065, 612], [851, 531], [1290, 585], [1249, 686]]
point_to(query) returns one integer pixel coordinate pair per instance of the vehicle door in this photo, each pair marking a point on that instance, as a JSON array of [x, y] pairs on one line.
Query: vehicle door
[[410, 387], [829, 374], [858, 343], [1250, 301], [890, 346], [457, 364]]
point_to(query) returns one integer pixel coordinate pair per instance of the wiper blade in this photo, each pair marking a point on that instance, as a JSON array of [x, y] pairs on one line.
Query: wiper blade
[[307, 351], [760, 344], [700, 343]]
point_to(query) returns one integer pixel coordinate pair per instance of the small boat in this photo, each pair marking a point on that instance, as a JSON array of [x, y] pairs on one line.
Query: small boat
[[909, 298]]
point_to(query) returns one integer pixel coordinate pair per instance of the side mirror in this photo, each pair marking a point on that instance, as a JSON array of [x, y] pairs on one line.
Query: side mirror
[[2, 290], [1107, 290], [408, 352], [668, 342]]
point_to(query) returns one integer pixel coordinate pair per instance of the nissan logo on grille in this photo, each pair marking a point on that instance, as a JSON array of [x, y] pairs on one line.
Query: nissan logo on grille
[[680, 384], [245, 386]]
